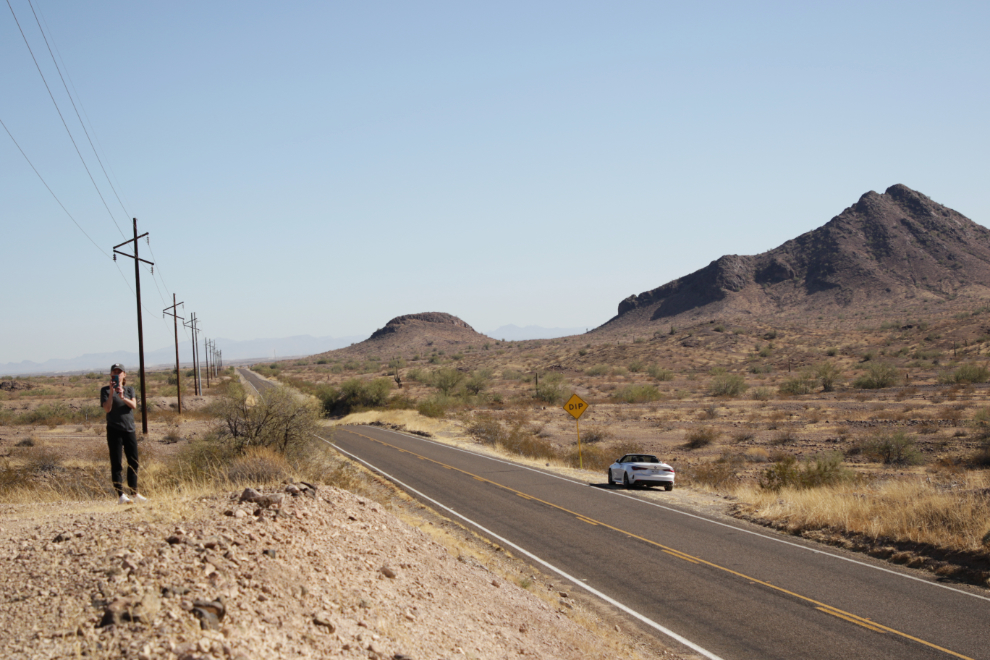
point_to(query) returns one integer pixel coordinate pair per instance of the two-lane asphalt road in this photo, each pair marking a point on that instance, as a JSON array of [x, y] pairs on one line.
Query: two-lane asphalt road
[[733, 590], [726, 589]]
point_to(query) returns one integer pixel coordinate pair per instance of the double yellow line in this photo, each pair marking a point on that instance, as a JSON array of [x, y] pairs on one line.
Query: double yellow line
[[822, 607]]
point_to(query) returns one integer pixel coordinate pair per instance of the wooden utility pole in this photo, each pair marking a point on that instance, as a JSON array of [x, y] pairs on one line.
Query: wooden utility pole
[[137, 288], [206, 343], [192, 325], [178, 367]]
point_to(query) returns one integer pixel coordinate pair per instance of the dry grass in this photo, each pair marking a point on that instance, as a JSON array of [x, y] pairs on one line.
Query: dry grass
[[954, 515]]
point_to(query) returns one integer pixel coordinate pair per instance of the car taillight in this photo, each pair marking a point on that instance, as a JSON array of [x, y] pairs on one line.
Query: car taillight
[[671, 470], [637, 467]]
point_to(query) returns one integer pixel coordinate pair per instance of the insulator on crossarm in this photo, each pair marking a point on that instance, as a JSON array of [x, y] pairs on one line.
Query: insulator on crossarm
[[115, 257]]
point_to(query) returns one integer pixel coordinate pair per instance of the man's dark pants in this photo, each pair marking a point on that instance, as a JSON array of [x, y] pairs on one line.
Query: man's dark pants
[[118, 439]]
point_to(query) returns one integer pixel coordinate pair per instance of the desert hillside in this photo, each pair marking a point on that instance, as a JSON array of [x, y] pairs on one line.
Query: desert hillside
[[899, 250], [417, 333]]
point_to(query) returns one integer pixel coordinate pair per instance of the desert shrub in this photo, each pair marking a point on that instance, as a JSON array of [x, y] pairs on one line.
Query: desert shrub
[[659, 373], [723, 472], [434, 406], [700, 437], [29, 441], [354, 394], [971, 373], [478, 381], [757, 455], [513, 438], [594, 434], [512, 374], [784, 437], [12, 478], [50, 415], [803, 384], [727, 385], [878, 376], [636, 393], [277, 420], [981, 422], [636, 366], [742, 436], [761, 393], [822, 470], [43, 460], [831, 351], [487, 430], [418, 374], [258, 465], [893, 449], [446, 379], [828, 375], [551, 388]]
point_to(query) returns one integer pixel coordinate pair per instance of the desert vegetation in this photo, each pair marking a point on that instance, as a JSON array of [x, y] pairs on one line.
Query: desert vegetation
[[774, 415]]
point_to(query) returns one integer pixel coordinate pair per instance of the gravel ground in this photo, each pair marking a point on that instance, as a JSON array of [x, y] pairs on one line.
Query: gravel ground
[[327, 576]]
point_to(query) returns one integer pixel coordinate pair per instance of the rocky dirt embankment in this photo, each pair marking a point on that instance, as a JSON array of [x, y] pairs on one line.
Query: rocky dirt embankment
[[324, 575]]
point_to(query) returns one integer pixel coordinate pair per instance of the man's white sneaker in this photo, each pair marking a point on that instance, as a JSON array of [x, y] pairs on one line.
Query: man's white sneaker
[[140, 498], [124, 499]]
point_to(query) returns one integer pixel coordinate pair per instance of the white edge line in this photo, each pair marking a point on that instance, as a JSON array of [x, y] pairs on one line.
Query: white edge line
[[506, 542], [695, 516]]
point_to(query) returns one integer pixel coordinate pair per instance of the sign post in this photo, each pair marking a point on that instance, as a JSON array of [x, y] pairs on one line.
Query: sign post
[[575, 407]]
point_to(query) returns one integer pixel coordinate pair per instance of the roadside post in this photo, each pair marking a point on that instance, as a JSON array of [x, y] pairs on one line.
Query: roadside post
[[575, 407]]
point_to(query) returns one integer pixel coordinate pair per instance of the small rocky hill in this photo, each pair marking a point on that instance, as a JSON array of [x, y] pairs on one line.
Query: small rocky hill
[[418, 333], [893, 251]]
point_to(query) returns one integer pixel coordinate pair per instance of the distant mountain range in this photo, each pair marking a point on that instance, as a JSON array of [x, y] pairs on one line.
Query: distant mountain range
[[515, 333], [261, 349]]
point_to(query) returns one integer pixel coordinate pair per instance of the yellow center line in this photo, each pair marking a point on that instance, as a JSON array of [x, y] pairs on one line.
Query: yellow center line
[[823, 607], [872, 626]]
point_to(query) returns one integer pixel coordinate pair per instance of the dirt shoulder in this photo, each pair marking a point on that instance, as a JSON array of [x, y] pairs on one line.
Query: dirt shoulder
[[334, 575]]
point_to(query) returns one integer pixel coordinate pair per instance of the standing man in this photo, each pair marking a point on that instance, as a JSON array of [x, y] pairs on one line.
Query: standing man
[[119, 402]]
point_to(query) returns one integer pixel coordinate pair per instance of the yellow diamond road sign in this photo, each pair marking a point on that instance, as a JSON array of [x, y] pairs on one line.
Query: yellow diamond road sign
[[575, 406]]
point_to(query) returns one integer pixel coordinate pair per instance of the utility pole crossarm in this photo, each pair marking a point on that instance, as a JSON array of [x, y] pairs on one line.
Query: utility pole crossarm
[[140, 326]]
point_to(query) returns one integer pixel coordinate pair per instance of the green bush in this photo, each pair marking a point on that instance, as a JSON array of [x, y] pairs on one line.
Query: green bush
[[434, 406], [354, 394], [596, 370], [822, 470], [971, 373], [278, 420], [659, 373], [878, 376], [478, 381], [828, 375], [636, 366], [761, 393], [636, 393], [446, 379], [893, 449], [727, 385], [803, 384], [551, 388]]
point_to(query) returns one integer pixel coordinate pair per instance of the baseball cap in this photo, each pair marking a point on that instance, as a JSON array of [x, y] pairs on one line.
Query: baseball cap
[[117, 366]]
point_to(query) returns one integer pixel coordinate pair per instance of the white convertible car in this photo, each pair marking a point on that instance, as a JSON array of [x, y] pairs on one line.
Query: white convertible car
[[641, 469]]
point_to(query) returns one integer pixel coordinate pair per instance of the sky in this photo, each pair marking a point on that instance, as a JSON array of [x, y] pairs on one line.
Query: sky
[[322, 167]]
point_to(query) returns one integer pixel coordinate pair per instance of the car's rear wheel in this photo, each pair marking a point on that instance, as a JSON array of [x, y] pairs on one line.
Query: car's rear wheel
[[611, 481], [625, 480], [668, 486]]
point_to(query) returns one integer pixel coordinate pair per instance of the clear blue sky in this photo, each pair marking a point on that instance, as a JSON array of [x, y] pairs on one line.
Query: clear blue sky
[[319, 168]]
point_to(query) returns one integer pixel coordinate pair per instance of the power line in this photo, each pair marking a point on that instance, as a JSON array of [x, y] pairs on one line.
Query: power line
[[95, 152], [95, 244], [59, 111]]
